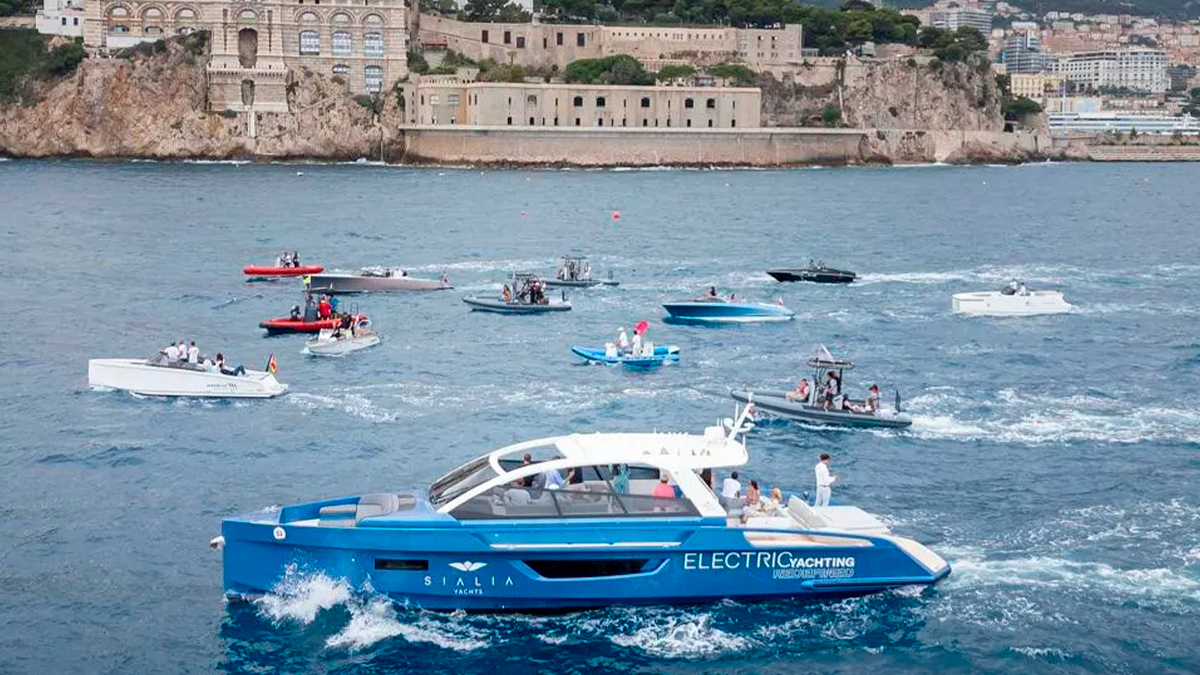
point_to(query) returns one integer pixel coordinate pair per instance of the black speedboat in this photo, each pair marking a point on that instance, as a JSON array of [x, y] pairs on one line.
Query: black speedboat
[[818, 273]]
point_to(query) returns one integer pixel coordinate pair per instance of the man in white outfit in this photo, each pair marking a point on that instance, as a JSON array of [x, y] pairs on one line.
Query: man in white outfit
[[824, 481]]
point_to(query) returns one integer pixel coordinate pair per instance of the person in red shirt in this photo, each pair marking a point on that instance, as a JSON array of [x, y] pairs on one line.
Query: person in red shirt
[[324, 308]]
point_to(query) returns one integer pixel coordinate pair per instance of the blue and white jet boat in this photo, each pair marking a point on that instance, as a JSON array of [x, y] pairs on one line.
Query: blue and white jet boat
[[497, 534], [647, 359], [717, 310]]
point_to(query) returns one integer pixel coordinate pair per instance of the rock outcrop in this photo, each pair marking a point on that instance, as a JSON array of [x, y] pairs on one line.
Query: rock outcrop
[[913, 93], [156, 107]]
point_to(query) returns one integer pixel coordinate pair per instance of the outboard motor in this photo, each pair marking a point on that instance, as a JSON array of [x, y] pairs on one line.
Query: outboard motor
[[897, 400]]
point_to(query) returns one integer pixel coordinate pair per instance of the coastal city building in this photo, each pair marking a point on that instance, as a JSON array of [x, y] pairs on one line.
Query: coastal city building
[[459, 100], [61, 17], [1035, 85], [255, 45], [1138, 69], [545, 45], [1023, 53], [958, 17]]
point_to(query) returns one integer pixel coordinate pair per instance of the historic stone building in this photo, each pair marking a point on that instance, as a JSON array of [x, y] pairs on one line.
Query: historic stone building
[[256, 43], [536, 44], [458, 100]]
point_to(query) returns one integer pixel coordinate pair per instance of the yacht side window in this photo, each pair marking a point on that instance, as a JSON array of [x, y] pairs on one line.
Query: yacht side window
[[587, 492]]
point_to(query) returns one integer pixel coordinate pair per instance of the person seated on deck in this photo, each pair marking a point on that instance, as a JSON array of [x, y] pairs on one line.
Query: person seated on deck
[[1010, 288], [774, 503], [506, 294], [712, 292], [172, 354], [296, 315], [240, 370], [800, 393], [663, 490], [753, 494], [517, 495], [551, 479], [295, 258]]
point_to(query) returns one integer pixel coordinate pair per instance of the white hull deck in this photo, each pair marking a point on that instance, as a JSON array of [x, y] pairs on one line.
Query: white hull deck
[[995, 303], [136, 376], [330, 346]]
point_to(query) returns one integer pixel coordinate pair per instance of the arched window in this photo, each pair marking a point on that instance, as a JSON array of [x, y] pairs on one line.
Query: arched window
[[342, 18], [152, 13], [374, 78], [309, 17], [185, 13], [152, 30], [373, 45], [710, 103], [600, 101], [247, 15], [373, 20], [689, 103], [645, 101], [577, 102], [118, 12], [310, 43], [342, 44]]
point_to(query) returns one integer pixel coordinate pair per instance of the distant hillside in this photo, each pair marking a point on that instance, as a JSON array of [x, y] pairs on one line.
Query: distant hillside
[[1170, 9]]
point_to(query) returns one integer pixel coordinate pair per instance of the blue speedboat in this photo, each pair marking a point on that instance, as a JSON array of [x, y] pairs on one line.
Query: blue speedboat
[[714, 309], [642, 361], [573, 522]]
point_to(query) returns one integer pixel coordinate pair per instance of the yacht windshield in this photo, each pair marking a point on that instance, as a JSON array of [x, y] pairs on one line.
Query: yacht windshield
[[460, 480]]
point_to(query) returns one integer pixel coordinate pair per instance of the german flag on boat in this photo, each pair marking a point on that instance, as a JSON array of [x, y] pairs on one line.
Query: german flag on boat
[[272, 367]]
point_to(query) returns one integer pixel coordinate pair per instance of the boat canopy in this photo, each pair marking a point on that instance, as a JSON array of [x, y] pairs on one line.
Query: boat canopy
[[823, 358], [672, 451]]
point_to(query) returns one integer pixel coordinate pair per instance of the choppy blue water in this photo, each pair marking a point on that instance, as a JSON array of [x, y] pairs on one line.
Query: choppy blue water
[[1053, 461]]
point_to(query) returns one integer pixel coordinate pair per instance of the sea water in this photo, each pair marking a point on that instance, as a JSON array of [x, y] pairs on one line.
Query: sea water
[[1053, 460]]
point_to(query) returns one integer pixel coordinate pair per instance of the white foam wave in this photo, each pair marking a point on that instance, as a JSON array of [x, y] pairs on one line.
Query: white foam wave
[[350, 403], [1052, 654], [1009, 417], [683, 636], [377, 619], [301, 597]]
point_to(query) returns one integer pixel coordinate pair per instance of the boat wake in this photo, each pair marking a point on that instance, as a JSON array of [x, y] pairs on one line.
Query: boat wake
[[1009, 417]]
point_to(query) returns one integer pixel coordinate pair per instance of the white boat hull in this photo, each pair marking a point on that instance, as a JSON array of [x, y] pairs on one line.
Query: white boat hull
[[334, 347], [999, 304], [136, 376]]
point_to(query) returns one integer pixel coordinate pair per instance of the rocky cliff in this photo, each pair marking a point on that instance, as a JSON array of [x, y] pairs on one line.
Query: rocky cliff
[[156, 107], [913, 93]]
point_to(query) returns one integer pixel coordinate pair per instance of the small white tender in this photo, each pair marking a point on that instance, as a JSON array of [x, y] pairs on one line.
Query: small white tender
[[1015, 299], [334, 343], [155, 377]]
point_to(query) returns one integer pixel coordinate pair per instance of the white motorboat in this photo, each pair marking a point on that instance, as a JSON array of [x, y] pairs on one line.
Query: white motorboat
[[1012, 300], [155, 377], [336, 343]]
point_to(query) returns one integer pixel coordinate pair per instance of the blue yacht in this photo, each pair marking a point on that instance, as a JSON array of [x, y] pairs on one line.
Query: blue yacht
[[713, 309], [574, 522]]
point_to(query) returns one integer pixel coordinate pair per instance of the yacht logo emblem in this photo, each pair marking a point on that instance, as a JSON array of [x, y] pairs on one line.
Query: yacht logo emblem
[[468, 566]]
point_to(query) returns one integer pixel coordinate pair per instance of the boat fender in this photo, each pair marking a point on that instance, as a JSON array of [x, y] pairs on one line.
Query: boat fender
[[217, 543], [279, 534]]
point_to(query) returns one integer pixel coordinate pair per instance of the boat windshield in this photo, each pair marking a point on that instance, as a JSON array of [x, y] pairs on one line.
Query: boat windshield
[[460, 480]]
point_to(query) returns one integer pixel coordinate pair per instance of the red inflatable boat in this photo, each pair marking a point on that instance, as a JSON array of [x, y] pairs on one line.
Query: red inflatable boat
[[286, 324], [264, 271]]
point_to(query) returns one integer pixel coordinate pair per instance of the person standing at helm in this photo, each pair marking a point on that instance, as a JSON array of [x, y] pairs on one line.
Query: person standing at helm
[[635, 347], [623, 341], [825, 481]]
